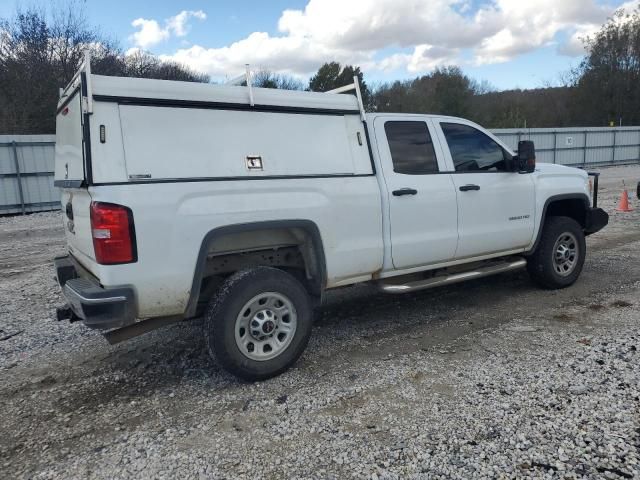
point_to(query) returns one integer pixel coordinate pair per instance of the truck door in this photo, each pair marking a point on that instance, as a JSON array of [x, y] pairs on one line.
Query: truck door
[[420, 199], [495, 205]]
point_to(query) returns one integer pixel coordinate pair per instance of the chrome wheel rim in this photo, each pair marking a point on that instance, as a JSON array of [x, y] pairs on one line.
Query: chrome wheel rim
[[565, 254], [265, 326]]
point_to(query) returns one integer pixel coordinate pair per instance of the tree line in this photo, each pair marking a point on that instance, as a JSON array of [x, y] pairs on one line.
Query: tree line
[[39, 53]]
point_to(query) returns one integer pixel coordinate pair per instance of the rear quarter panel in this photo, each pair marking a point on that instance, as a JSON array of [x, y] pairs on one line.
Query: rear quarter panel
[[172, 219]]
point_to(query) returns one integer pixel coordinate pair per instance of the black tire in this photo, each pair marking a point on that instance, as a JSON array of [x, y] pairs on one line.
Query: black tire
[[541, 264], [224, 311]]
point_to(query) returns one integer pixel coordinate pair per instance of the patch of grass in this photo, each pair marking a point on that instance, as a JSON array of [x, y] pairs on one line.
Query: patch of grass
[[621, 304]]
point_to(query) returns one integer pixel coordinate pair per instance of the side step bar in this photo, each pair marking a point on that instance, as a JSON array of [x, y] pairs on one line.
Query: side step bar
[[438, 281]]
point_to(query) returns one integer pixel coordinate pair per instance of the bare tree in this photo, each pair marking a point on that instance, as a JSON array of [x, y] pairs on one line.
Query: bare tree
[[145, 65], [27, 74], [40, 52], [269, 79]]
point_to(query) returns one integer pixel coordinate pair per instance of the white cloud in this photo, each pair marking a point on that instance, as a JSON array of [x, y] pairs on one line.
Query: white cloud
[[630, 6], [292, 55], [369, 24], [178, 24], [133, 51], [575, 46], [150, 32], [533, 24], [423, 58], [428, 33]]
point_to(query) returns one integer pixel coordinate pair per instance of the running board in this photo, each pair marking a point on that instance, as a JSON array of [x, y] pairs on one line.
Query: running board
[[438, 281]]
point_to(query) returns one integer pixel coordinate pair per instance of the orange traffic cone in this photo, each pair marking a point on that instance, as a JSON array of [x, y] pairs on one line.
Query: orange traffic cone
[[623, 206]]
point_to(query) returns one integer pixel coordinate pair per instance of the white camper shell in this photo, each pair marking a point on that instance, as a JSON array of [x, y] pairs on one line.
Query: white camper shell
[[147, 121]]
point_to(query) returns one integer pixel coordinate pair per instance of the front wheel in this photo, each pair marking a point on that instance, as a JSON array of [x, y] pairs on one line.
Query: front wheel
[[259, 323], [559, 257]]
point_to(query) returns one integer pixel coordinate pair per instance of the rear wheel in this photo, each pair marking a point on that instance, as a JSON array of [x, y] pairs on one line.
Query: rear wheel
[[259, 323], [559, 257]]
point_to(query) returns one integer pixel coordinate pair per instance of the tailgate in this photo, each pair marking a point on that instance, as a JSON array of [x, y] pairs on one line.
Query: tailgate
[[76, 206]]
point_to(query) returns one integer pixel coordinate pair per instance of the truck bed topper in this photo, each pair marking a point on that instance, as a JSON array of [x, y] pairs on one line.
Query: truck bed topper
[[128, 90]]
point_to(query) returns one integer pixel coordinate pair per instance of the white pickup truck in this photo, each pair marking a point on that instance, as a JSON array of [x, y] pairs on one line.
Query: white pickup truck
[[245, 205]]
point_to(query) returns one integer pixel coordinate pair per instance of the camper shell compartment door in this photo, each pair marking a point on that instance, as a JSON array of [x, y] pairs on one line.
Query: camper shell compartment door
[[69, 152]]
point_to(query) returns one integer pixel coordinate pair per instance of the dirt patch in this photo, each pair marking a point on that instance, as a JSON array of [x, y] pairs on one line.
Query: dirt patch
[[621, 304], [596, 307]]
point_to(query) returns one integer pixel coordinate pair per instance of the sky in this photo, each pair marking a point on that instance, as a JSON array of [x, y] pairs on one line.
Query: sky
[[509, 43]]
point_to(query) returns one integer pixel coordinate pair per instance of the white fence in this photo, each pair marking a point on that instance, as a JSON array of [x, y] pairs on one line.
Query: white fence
[[27, 161], [579, 147], [26, 174]]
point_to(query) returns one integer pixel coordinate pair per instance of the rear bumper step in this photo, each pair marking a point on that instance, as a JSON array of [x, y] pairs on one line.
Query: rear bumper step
[[96, 306], [440, 280]]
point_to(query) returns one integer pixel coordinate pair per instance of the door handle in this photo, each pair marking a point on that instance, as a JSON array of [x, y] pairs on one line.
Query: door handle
[[404, 191], [466, 188]]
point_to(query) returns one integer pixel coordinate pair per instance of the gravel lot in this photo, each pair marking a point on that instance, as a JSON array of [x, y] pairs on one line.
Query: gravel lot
[[492, 379]]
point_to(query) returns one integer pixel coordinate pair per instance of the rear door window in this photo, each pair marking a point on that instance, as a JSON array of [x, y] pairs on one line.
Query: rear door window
[[411, 147]]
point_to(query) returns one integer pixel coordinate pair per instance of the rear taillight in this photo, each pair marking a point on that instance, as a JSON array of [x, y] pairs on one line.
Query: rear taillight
[[113, 233]]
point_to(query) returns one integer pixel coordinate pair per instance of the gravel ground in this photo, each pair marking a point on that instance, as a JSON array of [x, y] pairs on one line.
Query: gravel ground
[[489, 379]]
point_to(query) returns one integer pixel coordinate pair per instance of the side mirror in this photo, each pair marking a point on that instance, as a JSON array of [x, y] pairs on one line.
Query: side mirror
[[526, 161]]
